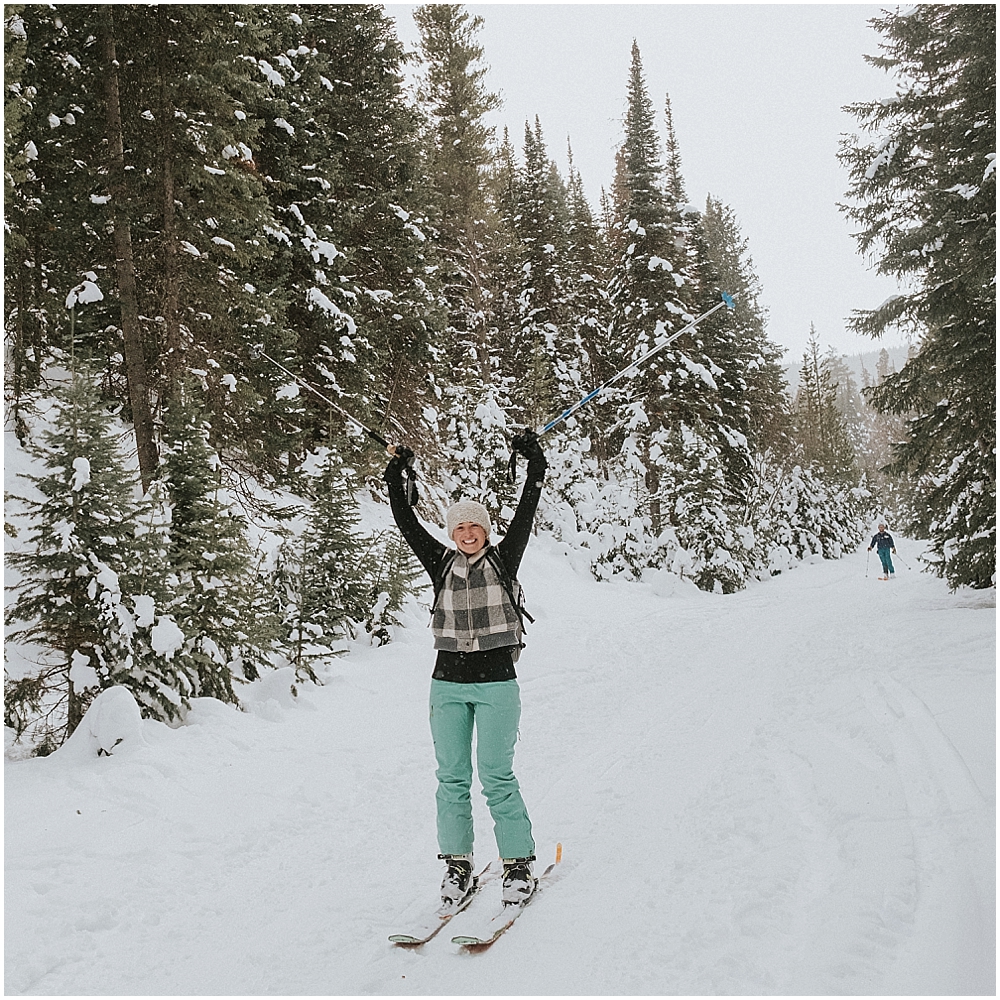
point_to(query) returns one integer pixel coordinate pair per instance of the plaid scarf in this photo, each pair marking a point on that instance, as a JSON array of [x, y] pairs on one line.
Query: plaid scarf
[[473, 611]]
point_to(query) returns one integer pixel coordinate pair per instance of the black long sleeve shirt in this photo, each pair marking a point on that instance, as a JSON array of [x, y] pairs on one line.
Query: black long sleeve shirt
[[484, 666]]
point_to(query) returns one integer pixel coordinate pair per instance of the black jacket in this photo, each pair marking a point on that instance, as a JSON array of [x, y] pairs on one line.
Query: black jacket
[[490, 665], [883, 540]]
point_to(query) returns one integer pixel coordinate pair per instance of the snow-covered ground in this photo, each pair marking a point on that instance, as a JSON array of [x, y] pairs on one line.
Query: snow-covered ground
[[785, 791]]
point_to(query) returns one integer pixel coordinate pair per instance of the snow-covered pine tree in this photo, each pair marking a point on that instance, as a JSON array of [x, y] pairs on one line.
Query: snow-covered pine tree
[[685, 411], [91, 574], [820, 427], [472, 413], [190, 118], [327, 572], [645, 297], [476, 450], [923, 189], [345, 170], [454, 98], [225, 618], [763, 378], [505, 254], [762, 387], [850, 406], [396, 575], [16, 159], [49, 217], [587, 264], [808, 516], [536, 364]]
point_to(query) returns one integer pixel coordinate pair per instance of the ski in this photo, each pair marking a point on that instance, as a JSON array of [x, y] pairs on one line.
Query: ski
[[502, 920], [432, 925]]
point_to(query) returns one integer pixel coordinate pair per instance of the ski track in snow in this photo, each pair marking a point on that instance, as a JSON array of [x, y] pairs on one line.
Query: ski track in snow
[[784, 791]]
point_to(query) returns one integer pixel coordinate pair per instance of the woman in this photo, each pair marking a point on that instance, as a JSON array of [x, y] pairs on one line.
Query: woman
[[477, 628]]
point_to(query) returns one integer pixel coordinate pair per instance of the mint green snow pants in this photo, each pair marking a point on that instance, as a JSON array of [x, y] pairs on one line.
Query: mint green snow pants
[[495, 710]]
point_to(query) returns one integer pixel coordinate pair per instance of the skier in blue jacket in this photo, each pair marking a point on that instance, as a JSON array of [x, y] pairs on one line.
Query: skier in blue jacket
[[883, 542]]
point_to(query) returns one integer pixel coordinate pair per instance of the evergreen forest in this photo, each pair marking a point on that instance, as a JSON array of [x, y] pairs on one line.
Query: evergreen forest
[[228, 226]]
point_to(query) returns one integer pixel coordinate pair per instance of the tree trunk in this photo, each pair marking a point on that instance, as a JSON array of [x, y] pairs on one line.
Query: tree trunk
[[135, 361], [171, 276]]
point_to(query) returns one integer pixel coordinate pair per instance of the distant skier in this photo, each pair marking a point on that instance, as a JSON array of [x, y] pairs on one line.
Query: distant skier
[[884, 543], [477, 627]]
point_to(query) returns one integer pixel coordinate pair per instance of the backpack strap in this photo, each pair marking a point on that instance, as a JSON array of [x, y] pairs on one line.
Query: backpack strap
[[438, 579], [508, 585]]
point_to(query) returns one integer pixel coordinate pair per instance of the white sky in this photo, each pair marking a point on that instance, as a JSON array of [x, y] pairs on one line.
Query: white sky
[[756, 92]]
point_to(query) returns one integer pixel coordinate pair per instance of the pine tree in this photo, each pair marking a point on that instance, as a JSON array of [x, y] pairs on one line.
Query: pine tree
[[820, 426], [645, 285], [227, 626], [395, 577], [476, 453], [923, 189], [327, 572], [455, 100], [91, 570], [536, 362], [344, 172], [764, 383]]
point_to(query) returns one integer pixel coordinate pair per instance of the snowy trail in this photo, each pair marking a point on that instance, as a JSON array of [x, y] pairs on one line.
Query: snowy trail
[[784, 791]]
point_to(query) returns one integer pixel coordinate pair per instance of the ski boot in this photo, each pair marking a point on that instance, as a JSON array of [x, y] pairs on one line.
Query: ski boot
[[459, 882], [518, 882]]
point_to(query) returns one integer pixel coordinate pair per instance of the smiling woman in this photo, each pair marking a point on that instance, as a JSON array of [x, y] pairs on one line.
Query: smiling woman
[[477, 625]]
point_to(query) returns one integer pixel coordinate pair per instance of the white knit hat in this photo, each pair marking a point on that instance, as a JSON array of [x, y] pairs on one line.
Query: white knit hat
[[467, 510]]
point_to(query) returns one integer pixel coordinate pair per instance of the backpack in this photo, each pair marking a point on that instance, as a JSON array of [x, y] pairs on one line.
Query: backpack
[[513, 589]]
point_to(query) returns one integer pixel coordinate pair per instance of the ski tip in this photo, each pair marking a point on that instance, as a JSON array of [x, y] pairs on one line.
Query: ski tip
[[404, 939], [558, 853], [468, 942], [728, 299]]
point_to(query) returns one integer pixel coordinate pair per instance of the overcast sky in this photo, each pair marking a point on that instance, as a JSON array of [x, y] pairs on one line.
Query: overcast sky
[[756, 91]]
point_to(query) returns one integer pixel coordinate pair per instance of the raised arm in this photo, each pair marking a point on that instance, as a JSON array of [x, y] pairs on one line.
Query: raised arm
[[512, 547], [425, 546]]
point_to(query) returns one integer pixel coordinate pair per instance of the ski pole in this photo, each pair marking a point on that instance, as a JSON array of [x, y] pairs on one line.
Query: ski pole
[[257, 351], [727, 301], [868, 559]]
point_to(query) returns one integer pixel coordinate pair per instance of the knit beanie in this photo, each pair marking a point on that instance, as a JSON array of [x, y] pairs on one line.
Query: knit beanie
[[467, 510]]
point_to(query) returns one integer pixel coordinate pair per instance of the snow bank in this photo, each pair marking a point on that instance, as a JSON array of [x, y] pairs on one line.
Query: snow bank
[[112, 725]]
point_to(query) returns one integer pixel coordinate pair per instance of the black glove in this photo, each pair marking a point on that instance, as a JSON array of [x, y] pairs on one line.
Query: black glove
[[526, 443], [402, 457]]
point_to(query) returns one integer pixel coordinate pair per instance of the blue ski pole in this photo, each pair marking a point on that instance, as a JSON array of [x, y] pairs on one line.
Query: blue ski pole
[[727, 300]]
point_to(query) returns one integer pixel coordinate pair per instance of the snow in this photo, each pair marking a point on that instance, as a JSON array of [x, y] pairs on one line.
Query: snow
[[788, 790], [316, 297], [112, 725], [86, 291], [700, 370], [271, 74], [81, 671], [81, 473], [165, 637]]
